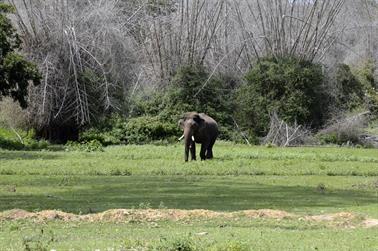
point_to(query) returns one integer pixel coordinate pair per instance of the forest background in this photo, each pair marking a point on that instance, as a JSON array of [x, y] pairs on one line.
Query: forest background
[[283, 72]]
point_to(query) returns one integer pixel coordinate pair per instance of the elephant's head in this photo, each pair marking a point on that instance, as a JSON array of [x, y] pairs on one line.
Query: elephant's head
[[190, 123]]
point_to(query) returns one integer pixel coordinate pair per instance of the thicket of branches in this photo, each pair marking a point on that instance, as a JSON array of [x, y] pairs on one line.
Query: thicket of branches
[[83, 49]]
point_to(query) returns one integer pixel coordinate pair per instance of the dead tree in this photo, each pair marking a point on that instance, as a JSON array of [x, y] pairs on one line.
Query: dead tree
[[283, 134], [84, 50], [282, 28]]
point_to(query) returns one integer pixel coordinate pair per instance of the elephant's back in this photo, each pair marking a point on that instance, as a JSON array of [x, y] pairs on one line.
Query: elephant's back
[[208, 119], [211, 124]]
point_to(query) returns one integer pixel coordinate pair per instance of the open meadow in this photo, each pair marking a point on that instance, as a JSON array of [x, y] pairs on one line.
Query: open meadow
[[94, 95], [320, 199]]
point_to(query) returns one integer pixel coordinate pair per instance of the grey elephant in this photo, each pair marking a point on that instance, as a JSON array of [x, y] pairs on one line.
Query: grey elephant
[[198, 128]]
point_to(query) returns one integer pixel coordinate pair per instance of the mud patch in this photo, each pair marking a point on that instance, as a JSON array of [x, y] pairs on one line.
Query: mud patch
[[343, 219]]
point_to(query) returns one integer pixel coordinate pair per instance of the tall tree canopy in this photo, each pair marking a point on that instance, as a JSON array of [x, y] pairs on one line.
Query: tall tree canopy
[[15, 71]]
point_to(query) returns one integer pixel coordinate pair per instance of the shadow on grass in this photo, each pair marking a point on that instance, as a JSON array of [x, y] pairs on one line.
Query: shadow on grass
[[87, 194]]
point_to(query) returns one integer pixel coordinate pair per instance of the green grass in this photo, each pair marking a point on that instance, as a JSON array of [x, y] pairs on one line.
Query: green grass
[[298, 180], [168, 160], [241, 234], [95, 194]]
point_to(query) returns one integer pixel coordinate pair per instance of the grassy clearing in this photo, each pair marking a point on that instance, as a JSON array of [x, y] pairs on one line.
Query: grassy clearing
[[303, 181], [168, 160]]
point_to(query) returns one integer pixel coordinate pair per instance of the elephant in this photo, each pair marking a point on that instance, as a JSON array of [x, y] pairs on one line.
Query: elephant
[[198, 128]]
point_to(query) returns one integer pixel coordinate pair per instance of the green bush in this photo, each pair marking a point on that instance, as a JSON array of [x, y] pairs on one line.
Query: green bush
[[147, 129], [138, 130], [89, 146], [291, 87], [10, 141], [179, 244], [10, 144], [366, 75], [350, 90], [188, 93], [105, 137]]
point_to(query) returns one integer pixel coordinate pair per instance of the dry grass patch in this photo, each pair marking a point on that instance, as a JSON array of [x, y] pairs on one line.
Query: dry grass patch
[[342, 219]]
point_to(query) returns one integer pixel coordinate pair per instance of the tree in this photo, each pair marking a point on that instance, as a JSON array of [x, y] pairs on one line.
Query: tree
[[290, 87], [15, 71]]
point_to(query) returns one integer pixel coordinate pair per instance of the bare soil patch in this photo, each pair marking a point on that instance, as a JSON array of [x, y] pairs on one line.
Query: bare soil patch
[[343, 219]]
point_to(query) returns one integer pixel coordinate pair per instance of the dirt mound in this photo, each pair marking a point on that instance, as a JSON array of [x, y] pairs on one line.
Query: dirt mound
[[333, 217], [343, 219], [19, 214], [15, 214], [268, 213], [177, 215]]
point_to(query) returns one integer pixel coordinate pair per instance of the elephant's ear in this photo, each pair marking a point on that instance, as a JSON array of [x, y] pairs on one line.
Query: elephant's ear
[[197, 118]]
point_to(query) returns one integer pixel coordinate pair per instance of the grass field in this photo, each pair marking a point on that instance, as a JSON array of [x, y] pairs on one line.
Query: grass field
[[301, 181]]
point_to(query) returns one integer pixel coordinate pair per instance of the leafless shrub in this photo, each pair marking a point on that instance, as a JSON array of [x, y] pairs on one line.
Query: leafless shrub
[[283, 134], [345, 129], [84, 52], [12, 115]]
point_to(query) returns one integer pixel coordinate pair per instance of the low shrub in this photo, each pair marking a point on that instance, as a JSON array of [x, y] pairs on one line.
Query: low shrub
[[12, 114], [10, 144], [178, 244], [21, 140], [345, 130], [106, 137], [147, 129], [138, 130], [89, 146]]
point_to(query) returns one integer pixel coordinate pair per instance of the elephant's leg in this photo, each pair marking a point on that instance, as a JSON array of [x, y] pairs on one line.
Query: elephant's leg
[[204, 147], [193, 150], [186, 152], [209, 151]]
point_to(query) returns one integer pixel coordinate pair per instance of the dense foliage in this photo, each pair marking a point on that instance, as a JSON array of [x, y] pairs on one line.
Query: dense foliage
[[15, 71], [191, 89], [291, 87], [137, 130], [350, 89], [366, 76], [295, 89]]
